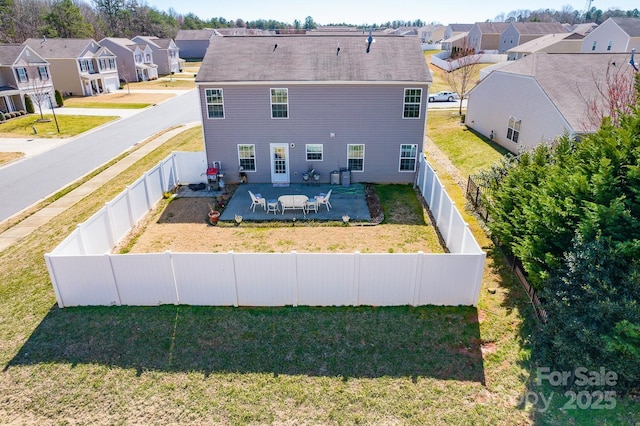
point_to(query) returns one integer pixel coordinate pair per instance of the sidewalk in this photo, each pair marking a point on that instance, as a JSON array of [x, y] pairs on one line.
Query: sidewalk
[[33, 146], [44, 215]]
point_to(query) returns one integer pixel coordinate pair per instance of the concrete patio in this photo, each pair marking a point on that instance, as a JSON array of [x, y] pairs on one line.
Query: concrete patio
[[345, 200]]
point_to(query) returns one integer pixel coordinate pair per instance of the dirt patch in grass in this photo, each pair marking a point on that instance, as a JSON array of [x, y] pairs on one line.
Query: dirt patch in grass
[[181, 226], [121, 97], [7, 157]]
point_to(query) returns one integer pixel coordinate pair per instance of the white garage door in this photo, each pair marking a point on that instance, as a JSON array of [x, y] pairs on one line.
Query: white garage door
[[111, 83]]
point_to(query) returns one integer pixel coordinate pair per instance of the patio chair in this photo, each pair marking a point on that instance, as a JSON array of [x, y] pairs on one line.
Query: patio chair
[[257, 200], [324, 199]]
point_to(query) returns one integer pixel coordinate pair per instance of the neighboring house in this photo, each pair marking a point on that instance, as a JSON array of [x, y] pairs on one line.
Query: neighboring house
[[22, 72], [81, 67], [540, 97], [135, 61], [278, 106], [431, 34], [166, 53], [193, 44], [582, 29], [550, 43], [518, 33], [455, 29], [485, 36], [614, 35], [458, 41]]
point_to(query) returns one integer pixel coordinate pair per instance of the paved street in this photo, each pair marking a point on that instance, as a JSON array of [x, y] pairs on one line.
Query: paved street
[[53, 164]]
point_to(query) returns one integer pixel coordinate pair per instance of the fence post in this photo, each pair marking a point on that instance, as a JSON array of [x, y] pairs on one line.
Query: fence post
[[111, 232], [356, 275], [235, 277], [449, 228], [417, 278]]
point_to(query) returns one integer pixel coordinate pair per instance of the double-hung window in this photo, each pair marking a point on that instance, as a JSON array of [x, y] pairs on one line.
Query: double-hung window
[[513, 130], [215, 103], [408, 155], [412, 99], [84, 66], [22, 75], [314, 151], [44, 74], [279, 103], [355, 157], [247, 157]]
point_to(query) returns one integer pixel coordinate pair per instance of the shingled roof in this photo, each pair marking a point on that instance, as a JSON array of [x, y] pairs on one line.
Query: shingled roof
[[569, 79], [60, 48], [9, 53], [314, 58], [631, 26], [533, 28]]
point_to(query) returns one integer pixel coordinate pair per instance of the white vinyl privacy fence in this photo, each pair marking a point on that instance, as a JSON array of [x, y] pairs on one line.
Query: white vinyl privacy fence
[[85, 272]]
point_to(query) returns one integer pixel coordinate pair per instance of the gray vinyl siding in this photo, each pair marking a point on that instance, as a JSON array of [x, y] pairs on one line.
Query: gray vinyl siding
[[509, 38], [355, 114], [193, 49], [503, 95]]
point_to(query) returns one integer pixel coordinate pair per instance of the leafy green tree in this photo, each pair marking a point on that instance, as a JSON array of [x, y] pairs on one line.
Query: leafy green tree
[[111, 11], [309, 23], [7, 30], [65, 21], [593, 312]]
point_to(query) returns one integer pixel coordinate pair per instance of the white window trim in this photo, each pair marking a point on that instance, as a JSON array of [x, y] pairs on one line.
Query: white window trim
[[306, 151], [516, 122], [22, 76], [271, 103], [207, 103], [42, 68], [415, 158], [255, 160], [363, 155], [404, 103]]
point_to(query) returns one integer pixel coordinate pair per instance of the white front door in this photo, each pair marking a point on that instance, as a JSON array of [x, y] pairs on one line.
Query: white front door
[[279, 163]]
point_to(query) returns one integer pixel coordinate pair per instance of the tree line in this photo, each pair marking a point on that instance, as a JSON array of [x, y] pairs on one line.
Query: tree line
[[566, 15]]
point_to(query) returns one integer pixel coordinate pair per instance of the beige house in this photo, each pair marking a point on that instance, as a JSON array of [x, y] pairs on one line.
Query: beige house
[[22, 72], [81, 66], [485, 36], [550, 43], [518, 33]]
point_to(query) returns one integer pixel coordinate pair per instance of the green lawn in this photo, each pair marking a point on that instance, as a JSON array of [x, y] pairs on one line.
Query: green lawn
[[70, 125], [468, 150], [205, 365]]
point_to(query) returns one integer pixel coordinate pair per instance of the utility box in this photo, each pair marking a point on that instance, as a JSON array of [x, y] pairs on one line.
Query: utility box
[[335, 177], [345, 177]]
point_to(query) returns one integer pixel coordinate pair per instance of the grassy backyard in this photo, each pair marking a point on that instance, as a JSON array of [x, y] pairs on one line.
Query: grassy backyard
[[195, 365]]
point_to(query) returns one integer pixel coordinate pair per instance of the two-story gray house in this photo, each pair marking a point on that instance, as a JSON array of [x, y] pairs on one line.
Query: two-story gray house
[[23, 72], [166, 53], [278, 106], [134, 61]]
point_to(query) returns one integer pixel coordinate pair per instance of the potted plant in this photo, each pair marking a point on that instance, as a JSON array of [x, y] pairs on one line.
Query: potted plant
[[214, 215]]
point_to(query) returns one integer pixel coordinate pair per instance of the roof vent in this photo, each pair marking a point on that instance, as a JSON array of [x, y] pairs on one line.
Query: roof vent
[[275, 46], [338, 51]]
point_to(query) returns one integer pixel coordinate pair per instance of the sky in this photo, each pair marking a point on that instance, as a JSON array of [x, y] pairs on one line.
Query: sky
[[359, 12]]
